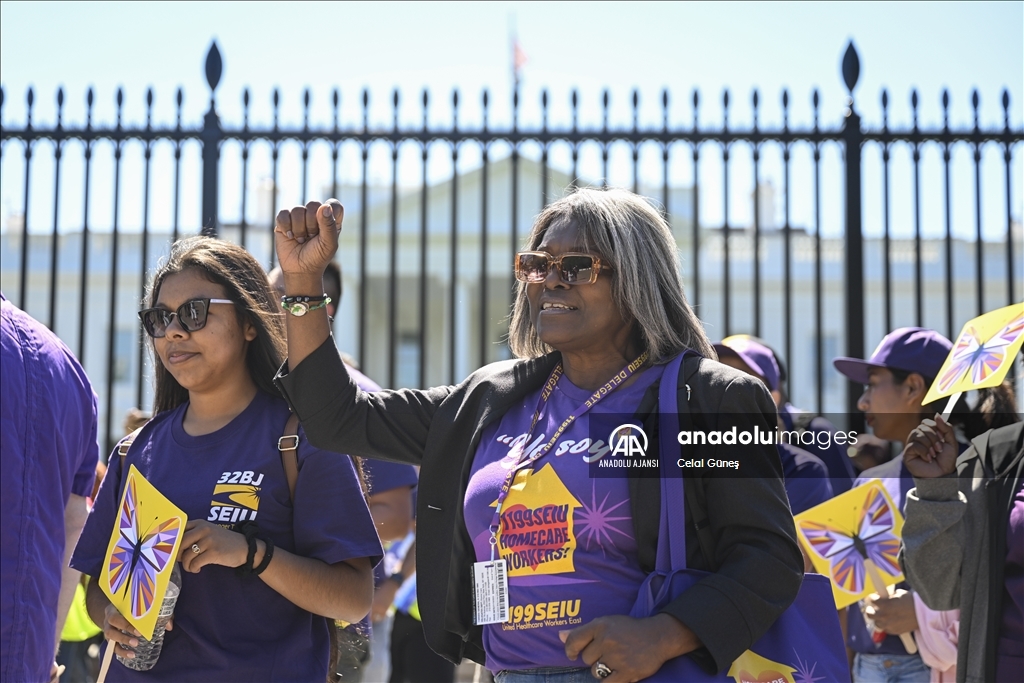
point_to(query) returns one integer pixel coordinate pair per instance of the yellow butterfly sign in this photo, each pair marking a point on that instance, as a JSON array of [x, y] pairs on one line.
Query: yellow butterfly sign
[[141, 553], [751, 667], [982, 354], [854, 539]]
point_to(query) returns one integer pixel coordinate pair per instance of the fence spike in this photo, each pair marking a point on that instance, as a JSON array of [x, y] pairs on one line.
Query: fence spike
[[851, 68], [214, 67]]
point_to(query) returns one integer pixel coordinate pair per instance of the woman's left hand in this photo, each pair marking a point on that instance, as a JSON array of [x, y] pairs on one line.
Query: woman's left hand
[[216, 545], [632, 648]]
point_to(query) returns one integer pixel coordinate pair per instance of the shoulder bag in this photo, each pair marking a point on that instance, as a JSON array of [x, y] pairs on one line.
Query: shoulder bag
[[804, 644]]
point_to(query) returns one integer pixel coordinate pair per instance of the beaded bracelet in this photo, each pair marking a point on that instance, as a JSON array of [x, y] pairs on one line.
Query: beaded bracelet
[[300, 305]]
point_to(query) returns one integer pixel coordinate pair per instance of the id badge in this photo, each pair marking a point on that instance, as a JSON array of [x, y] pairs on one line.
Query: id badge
[[490, 592]]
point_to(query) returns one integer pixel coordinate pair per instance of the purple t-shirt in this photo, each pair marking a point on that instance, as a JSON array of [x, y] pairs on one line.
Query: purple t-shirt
[[805, 478], [383, 476], [227, 627], [1010, 651], [568, 538], [48, 442]]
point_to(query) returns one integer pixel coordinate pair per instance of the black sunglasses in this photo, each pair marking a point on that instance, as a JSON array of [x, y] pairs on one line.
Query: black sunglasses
[[191, 316]]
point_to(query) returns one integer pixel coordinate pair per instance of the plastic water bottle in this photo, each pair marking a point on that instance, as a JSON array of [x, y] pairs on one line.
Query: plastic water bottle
[[147, 652]]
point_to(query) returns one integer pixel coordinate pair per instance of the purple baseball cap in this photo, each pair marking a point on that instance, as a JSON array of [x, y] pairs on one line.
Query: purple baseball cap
[[757, 356], [910, 349]]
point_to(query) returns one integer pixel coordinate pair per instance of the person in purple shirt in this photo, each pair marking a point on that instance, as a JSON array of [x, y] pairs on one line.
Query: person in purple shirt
[[807, 478], [506, 457], [896, 378], [815, 433], [263, 569], [48, 441]]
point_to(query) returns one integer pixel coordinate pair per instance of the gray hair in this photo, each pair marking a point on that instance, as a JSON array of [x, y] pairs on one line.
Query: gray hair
[[632, 236]]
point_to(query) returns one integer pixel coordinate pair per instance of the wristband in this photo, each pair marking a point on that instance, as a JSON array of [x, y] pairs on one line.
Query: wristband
[[249, 529], [267, 554], [301, 305], [397, 577]]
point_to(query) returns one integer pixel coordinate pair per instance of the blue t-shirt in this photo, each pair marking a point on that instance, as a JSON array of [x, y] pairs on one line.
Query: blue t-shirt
[[567, 537], [48, 442], [805, 478], [226, 627]]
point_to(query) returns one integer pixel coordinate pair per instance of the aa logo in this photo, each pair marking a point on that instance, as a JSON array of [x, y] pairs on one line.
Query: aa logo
[[628, 440]]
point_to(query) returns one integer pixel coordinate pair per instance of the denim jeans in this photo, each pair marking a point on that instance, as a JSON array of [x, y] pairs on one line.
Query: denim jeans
[[872, 668], [558, 674]]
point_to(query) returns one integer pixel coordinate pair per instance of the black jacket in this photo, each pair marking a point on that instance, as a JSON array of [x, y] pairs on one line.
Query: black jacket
[[749, 535]]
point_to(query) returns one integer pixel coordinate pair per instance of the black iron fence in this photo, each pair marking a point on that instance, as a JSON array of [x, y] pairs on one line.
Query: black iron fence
[[426, 327]]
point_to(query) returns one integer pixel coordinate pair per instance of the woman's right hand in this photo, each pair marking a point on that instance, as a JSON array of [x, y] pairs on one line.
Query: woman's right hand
[[306, 238], [931, 449], [121, 633]]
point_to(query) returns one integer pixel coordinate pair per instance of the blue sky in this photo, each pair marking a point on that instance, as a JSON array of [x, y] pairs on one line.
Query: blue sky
[[589, 46]]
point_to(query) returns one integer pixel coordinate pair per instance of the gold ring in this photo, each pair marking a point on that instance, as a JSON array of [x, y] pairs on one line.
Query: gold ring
[[196, 549]]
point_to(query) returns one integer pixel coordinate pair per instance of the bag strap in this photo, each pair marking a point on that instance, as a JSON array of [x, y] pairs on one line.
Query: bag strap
[[672, 526], [288, 445], [124, 446], [674, 415]]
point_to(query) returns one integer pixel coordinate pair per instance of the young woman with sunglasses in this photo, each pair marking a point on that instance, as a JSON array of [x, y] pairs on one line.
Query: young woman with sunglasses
[[599, 311], [247, 610]]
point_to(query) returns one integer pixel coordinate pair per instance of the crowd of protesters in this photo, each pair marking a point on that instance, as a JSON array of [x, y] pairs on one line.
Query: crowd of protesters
[[375, 559]]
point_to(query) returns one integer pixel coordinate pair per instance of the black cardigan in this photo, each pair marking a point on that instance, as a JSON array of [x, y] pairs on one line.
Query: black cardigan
[[757, 562]]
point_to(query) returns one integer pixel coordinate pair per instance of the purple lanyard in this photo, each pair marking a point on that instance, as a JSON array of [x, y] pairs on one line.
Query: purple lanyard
[[527, 462]]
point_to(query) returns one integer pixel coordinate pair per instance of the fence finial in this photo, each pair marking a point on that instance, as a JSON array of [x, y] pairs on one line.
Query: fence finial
[[214, 67], [851, 68]]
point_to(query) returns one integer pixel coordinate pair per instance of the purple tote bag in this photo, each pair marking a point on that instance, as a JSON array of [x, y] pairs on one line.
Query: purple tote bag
[[805, 644]]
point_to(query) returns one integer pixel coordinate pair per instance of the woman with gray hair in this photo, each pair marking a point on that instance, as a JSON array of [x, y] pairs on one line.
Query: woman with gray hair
[[529, 558]]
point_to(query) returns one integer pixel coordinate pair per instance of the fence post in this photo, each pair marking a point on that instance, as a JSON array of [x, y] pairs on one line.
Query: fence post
[[854, 237], [211, 137]]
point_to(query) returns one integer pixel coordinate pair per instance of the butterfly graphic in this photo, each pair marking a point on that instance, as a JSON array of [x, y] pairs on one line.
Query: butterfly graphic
[[847, 552], [980, 358], [138, 558]]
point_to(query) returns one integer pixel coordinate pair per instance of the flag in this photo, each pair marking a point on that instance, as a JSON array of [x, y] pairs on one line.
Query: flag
[[518, 59]]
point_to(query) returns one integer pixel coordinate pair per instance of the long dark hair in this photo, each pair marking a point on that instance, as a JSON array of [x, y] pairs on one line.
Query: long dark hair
[[245, 283]]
